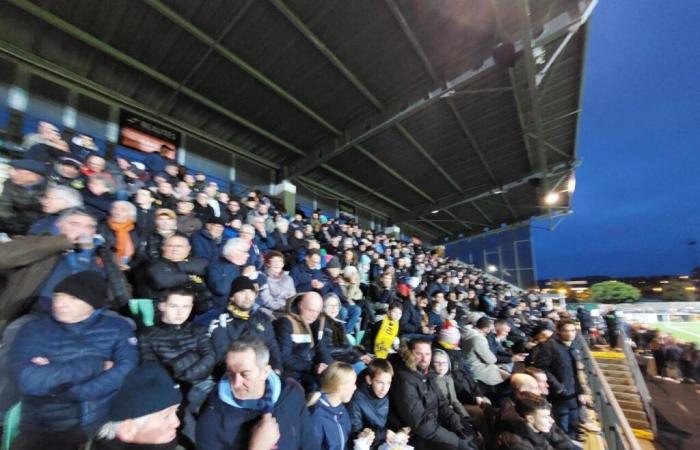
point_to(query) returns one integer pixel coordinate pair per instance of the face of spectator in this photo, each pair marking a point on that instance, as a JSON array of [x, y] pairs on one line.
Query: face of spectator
[[211, 190], [165, 223], [543, 336], [23, 177], [567, 333], [395, 314], [542, 384], [215, 229], [247, 380], [120, 213], [202, 199], [52, 202], [95, 163], [68, 309], [157, 428], [332, 307], [380, 384], [310, 307], [189, 179], [276, 264], [333, 272], [97, 186], [171, 169], [422, 355], [165, 188], [238, 257], [502, 330], [67, 170], [244, 299], [313, 261], [440, 365], [246, 233], [234, 206], [283, 227], [346, 388], [223, 197], [77, 228], [176, 248], [176, 309], [184, 208], [236, 224], [144, 197], [541, 420]]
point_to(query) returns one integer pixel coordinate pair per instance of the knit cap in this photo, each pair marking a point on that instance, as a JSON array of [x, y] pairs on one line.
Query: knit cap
[[89, 286], [146, 389]]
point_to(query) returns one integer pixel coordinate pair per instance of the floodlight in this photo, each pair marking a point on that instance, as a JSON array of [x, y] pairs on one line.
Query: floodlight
[[492, 268], [571, 184], [551, 198]]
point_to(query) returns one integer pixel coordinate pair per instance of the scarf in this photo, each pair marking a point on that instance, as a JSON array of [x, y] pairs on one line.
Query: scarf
[[388, 331], [238, 313], [124, 244]]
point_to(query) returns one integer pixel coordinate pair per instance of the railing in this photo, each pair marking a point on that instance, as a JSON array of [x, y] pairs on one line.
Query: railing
[[638, 378], [616, 429]]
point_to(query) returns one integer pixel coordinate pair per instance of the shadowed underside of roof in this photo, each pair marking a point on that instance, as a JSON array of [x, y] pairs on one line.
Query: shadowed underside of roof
[[404, 107]]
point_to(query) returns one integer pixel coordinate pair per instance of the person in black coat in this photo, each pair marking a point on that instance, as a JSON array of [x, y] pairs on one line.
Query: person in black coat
[[240, 405], [98, 196], [243, 318], [526, 425], [181, 347], [414, 403], [20, 201]]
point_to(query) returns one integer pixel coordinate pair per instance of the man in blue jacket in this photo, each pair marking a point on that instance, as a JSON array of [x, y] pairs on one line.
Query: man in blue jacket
[[308, 276], [209, 241], [69, 365], [250, 396]]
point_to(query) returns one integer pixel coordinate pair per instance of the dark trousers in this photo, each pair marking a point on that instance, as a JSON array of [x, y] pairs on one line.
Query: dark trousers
[[566, 415], [71, 439]]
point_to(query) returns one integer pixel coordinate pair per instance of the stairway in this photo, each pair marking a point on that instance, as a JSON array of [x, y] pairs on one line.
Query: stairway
[[617, 373]]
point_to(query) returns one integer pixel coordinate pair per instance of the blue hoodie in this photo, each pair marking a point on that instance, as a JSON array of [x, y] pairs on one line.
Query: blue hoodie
[[331, 424]]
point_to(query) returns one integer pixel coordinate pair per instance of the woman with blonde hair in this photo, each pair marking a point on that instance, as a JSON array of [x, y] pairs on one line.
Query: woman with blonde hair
[[330, 419]]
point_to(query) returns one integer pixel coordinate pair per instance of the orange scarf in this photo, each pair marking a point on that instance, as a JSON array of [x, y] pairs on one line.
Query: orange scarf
[[124, 244]]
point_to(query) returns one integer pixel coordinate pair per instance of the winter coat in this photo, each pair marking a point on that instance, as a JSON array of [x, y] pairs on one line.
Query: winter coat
[[204, 246], [446, 386], [466, 387], [481, 360], [277, 291], [410, 318], [338, 345], [226, 329], [331, 424], [225, 425], [145, 220], [185, 350], [165, 274], [513, 433], [73, 389], [559, 363], [20, 206], [503, 355], [366, 410], [99, 206], [302, 346], [188, 225], [302, 276], [220, 275], [413, 402]]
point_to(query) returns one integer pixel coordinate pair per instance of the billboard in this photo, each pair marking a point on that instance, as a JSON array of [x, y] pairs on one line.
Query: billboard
[[145, 135]]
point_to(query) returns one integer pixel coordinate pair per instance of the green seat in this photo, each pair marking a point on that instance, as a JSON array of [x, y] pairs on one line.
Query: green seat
[[359, 335], [351, 339], [142, 309], [11, 425]]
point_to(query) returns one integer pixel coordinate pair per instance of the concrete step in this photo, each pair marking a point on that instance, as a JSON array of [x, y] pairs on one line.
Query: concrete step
[[628, 396], [635, 415], [624, 388], [620, 381], [640, 424], [633, 405]]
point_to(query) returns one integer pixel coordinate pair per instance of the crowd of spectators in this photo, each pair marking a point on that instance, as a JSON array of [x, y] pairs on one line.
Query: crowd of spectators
[[143, 307]]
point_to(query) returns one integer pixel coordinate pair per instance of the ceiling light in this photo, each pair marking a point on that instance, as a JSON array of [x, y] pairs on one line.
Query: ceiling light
[[551, 198], [436, 211], [571, 184]]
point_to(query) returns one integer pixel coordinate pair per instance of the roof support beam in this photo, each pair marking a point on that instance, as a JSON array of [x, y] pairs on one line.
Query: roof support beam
[[122, 57], [64, 77], [481, 211], [464, 223], [552, 147]]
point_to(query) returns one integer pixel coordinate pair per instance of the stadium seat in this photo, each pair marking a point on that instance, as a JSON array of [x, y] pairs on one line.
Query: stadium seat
[[10, 425]]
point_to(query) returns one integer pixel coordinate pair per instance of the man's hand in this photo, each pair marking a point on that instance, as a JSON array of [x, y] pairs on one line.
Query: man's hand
[[427, 330], [321, 367], [366, 358], [248, 271], [518, 357], [316, 284], [265, 433], [584, 399], [107, 365], [40, 360]]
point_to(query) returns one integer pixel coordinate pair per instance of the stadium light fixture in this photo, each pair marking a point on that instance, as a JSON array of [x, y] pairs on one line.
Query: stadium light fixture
[[435, 211], [492, 268], [657, 289], [690, 288], [571, 184], [551, 198]]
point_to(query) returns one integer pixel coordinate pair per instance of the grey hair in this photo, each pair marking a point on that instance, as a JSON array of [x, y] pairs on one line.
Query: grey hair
[[281, 221], [235, 244], [72, 196], [262, 353], [130, 206]]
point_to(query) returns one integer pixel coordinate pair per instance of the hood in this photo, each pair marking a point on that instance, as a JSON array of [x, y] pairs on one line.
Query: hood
[[226, 394], [444, 353], [325, 408]]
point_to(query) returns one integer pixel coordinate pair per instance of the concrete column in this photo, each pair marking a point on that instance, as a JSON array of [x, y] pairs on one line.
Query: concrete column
[[288, 192]]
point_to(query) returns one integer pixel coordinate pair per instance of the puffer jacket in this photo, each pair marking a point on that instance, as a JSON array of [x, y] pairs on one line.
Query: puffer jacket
[[226, 329], [511, 433], [331, 424], [366, 410], [301, 346], [277, 291], [185, 350], [73, 389], [165, 274]]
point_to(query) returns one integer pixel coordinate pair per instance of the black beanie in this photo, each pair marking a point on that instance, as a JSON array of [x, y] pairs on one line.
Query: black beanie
[[146, 389], [334, 263], [241, 283], [89, 286]]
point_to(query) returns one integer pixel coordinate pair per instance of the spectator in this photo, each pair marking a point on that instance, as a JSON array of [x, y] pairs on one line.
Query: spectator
[[20, 201], [559, 359], [243, 318], [482, 361], [208, 242], [166, 226], [585, 319], [181, 347], [202, 210], [338, 345], [66, 172], [165, 195], [250, 396], [98, 196], [383, 336], [279, 287], [69, 366], [414, 403], [56, 200], [155, 162], [187, 223], [331, 423], [444, 383], [302, 343], [233, 262], [145, 212], [526, 426], [121, 235], [307, 276], [143, 413]]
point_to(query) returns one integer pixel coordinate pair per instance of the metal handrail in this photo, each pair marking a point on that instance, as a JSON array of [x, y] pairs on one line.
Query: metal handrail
[[616, 428], [639, 380]]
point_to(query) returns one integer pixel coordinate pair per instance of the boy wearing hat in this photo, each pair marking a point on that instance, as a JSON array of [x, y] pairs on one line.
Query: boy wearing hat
[[244, 318], [69, 365], [143, 413], [20, 202]]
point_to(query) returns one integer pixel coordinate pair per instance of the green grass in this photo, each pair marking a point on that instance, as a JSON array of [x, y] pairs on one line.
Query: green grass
[[688, 331]]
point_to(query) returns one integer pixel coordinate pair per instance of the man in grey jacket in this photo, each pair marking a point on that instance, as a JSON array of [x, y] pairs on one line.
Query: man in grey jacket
[[483, 362]]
